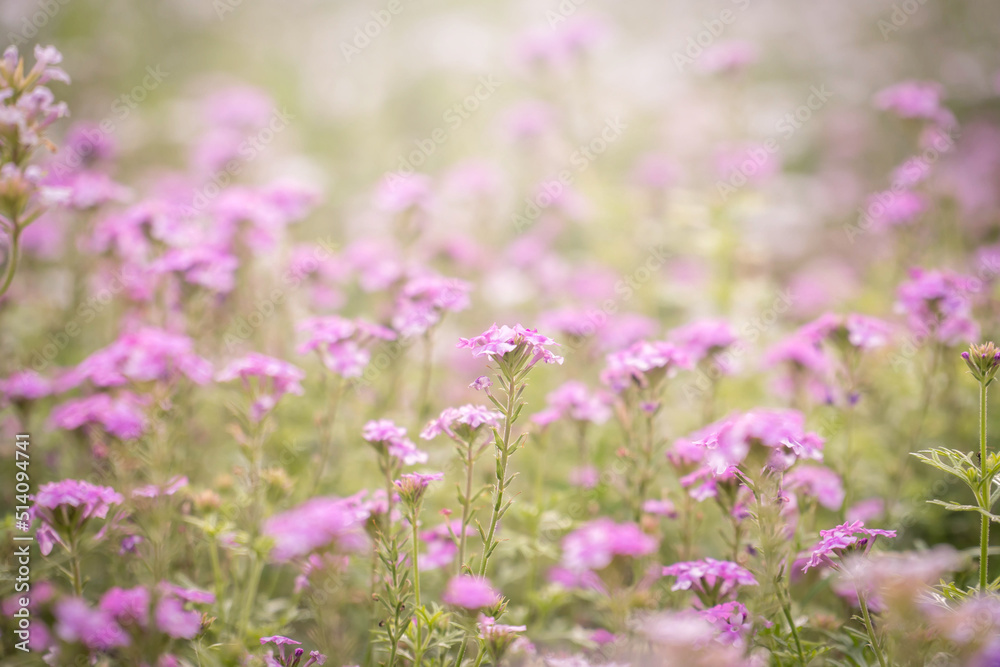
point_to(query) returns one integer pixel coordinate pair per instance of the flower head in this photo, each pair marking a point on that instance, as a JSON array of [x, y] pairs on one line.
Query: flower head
[[983, 362], [470, 592], [643, 364], [850, 536], [711, 579], [595, 544], [512, 343], [266, 379], [383, 433], [462, 423], [412, 486]]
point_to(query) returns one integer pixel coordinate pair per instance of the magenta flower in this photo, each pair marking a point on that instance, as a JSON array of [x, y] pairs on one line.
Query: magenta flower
[[867, 333], [96, 629], [470, 592], [424, 300], [911, 99], [659, 508], [500, 341], [412, 486], [24, 386], [481, 383], [729, 440], [122, 416], [342, 344], [144, 355], [892, 208], [317, 524], [266, 379], [711, 579], [383, 433], [574, 400], [467, 419], [732, 619], [595, 544], [819, 482], [703, 339], [441, 545], [498, 637], [127, 606], [850, 536], [642, 364], [68, 505], [173, 620], [939, 303]]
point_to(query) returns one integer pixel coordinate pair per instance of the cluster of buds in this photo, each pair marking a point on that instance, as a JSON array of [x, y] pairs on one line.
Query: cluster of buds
[[412, 487], [27, 109], [983, 362]]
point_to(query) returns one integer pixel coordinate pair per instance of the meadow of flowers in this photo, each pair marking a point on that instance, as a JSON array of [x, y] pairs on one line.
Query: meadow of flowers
[[560, 336]]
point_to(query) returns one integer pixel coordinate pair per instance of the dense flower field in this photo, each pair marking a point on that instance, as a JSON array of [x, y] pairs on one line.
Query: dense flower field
[[603, 352]]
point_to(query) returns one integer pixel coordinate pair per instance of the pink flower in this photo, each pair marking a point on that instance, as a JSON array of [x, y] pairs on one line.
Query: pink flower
[[441, 546], [595, 544], [127, 606], [848, 536], [939, 303], [660, 508], [385, 433], [729, 440], [732, 619], [889, 209], [468, 419], [719, 579], [412, 486], [423, 301], [703, 338], [145, 355], [122, 416], [642, 364], [316, 524], [470, 592], [500, 341], [481, 383], [911, 99], [575, 401], [94, 628], [173, 620], [818, 482], [341, 343], [274, 378], [25, 385], [399, 192]]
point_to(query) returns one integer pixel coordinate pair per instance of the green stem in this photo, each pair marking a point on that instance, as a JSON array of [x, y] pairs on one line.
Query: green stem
[[987, 492], [466, 505], [461, 654], [501, 475], [258, 570], [12, 259], [871, 630], [74, 557], [217, 574], [415, 548], [786, 607]]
